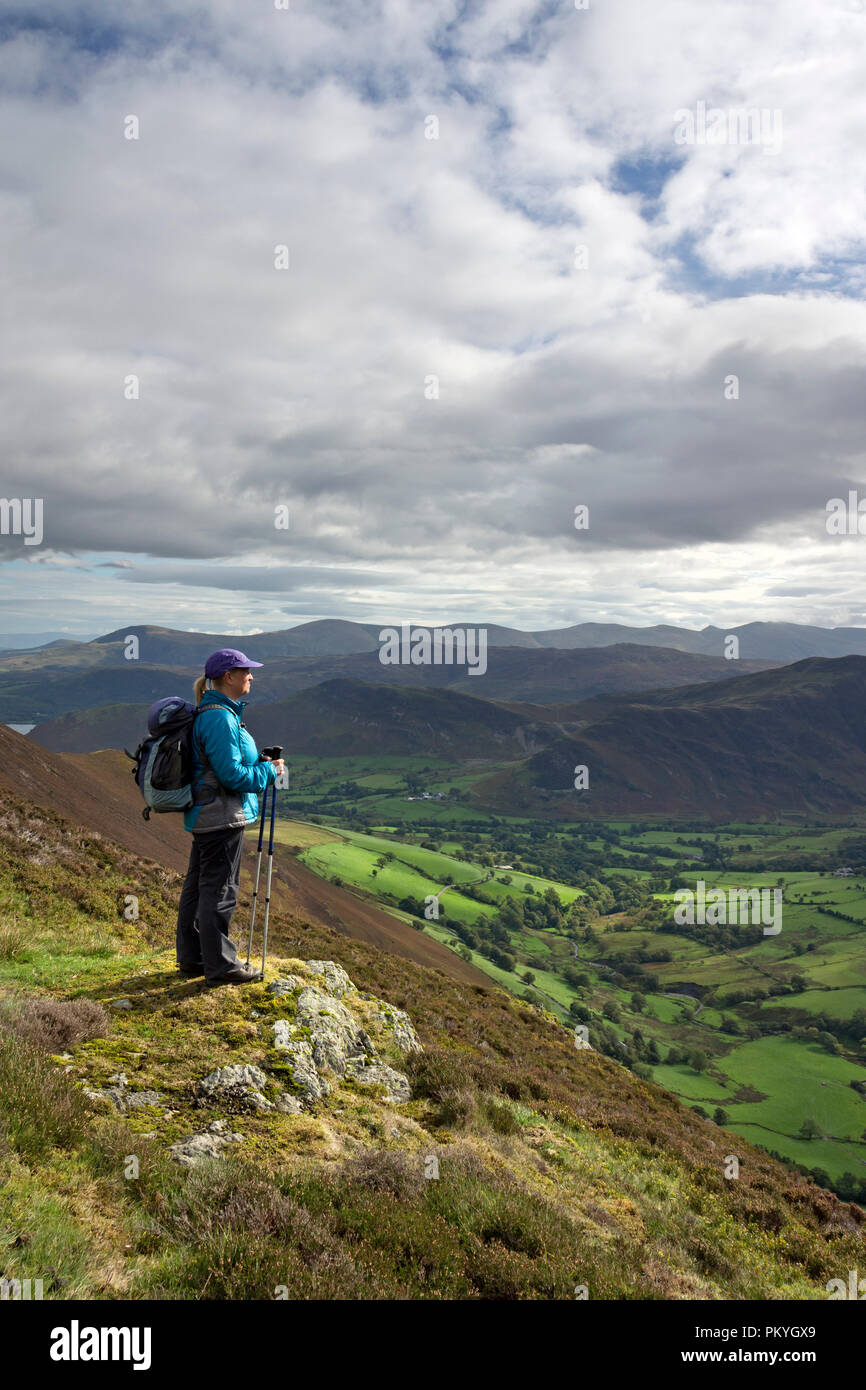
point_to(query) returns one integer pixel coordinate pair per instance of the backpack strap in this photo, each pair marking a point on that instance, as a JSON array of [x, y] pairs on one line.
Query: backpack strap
[[203, 709]]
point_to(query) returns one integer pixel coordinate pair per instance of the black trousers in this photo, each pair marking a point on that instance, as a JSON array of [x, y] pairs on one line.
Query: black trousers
[[207, 902]]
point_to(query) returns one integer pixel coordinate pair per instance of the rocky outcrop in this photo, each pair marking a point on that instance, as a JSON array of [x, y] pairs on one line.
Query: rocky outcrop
[[331, 1034], [119, 1096], [335, 1036], [405, 1037], [396, 1084], [210, 1143], [298, 1056], [287, 985], [241, 1085], [336, 981]]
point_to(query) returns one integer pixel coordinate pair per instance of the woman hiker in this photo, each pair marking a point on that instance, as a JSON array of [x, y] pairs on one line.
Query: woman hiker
[[228, 774]]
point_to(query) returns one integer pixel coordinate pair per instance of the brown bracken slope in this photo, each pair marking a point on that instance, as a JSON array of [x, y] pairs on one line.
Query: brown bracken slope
[[96, 791]]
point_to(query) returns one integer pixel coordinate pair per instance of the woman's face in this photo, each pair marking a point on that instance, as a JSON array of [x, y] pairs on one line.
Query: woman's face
[[236, 683]]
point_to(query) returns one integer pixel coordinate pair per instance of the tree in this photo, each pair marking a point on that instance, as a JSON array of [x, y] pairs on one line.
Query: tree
[[720, 1116], [698, 1060], [809, 1130]]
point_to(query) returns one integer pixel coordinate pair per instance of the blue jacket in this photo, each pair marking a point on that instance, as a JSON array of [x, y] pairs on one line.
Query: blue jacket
[[228, 773]]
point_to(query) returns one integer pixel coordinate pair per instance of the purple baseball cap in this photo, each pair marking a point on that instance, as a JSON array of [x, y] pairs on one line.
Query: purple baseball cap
[[226, 659]]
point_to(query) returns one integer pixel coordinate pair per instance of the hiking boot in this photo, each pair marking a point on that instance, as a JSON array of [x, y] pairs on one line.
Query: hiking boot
[[191, 971], [238, 975]]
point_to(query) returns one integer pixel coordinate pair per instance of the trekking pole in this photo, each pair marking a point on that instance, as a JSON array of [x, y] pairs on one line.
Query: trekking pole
[[258, 871], [270, 871]]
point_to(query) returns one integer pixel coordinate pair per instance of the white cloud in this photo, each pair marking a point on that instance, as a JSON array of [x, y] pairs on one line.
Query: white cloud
[[452, 257]]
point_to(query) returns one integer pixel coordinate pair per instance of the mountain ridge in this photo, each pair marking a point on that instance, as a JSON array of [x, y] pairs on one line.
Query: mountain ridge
[[793, 740], [512, 674], [767, 640]]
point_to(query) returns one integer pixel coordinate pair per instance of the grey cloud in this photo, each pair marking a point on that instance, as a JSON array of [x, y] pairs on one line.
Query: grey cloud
[[243, 578], [408, 257]]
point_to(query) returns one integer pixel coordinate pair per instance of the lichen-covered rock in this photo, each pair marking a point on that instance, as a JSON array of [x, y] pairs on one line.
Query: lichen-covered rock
[[335, 981], [286, 985], [241, 1074], [111, 1097], [299, 1059], [289, 1105], [121, 1099], [136, 1099], [210, 1143], [397, 1088], [326, 1036], [335, 1036], [405, 1037], [240, 1084]]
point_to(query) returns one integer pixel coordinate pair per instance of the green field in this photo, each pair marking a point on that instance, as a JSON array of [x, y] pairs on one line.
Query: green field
[[646, 988]]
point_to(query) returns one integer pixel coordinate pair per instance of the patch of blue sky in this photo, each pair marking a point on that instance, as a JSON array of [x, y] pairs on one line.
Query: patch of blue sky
[[688, 272], [646, 175], [97, 35], [528, 41], [375, 86]]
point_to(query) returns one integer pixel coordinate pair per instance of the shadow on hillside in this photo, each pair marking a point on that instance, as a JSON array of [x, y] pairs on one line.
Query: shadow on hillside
[[157, 987]]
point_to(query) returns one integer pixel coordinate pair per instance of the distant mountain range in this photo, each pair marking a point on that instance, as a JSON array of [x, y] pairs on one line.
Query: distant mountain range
[[162, 646], [18, 641], [41, 683], [788, 739], [661, 729], [86, 704]]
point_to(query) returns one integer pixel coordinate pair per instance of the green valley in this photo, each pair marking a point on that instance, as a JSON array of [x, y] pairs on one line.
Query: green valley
[[764, 1033]]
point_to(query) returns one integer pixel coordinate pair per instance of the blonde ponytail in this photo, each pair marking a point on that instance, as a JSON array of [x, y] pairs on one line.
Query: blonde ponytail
[[198, 689]]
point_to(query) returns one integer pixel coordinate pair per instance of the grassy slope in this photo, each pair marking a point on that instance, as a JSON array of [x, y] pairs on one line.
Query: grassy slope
[[556, 1167], [412, 872]]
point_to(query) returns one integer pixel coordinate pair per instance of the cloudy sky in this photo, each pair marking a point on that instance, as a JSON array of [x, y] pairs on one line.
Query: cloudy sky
[[524, 264]]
